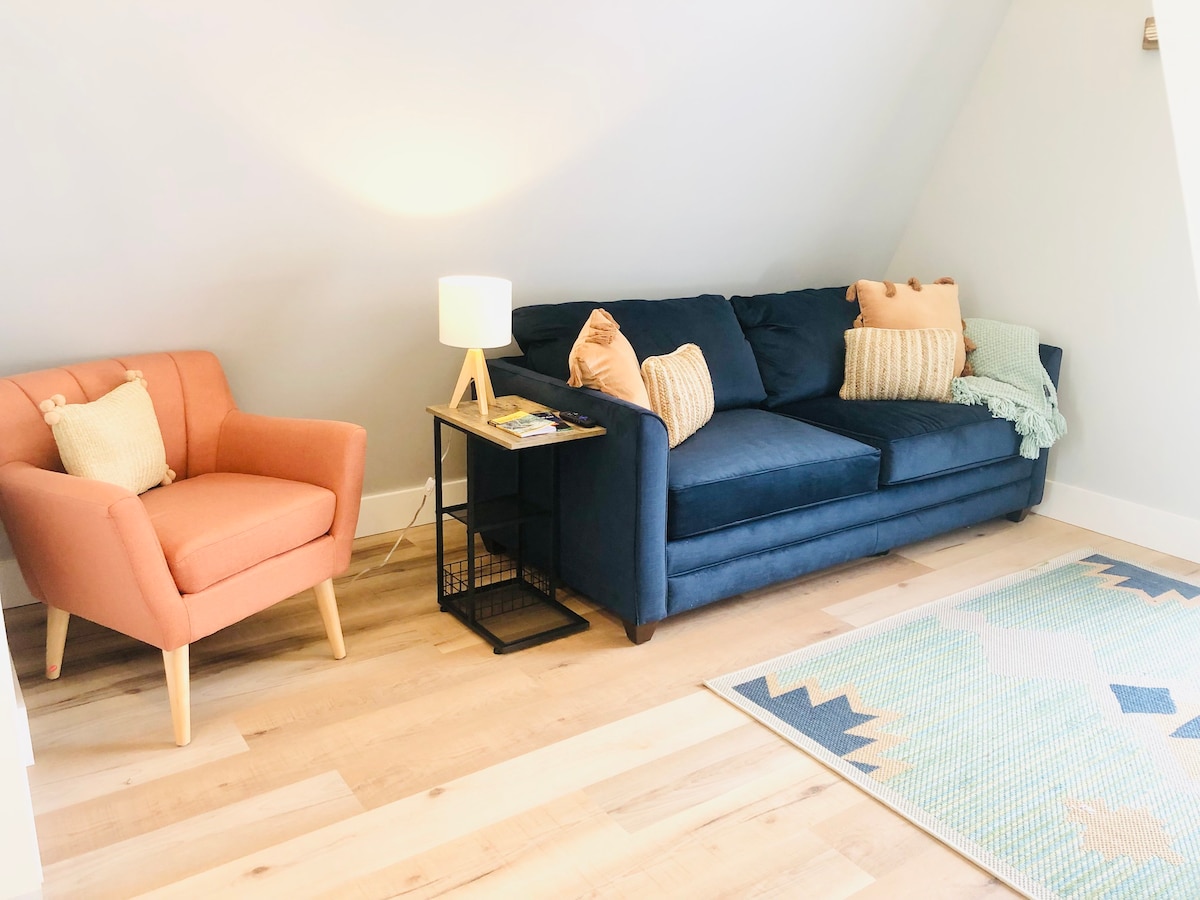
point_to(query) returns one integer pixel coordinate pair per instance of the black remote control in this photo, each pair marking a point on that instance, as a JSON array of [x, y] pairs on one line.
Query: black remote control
[[577, 419]]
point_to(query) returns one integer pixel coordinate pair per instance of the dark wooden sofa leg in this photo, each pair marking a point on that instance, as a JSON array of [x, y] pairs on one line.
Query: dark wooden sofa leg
[[1019, 515], [639, 634]]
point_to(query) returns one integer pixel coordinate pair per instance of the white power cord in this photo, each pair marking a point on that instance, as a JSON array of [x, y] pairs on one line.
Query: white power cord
[[429, 486]]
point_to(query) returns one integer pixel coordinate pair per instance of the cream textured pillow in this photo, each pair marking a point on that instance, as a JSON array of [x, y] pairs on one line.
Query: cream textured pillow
[[883, 304], [115, 438], [680, 390], [602, 358], [899, 364]]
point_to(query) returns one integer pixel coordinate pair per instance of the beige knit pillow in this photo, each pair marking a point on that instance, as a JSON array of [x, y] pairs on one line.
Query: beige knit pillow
[[899, 364], [680, 390], [115, 438]]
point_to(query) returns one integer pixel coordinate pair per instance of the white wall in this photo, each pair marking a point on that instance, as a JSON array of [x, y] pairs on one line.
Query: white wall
[[284, 182], [1180, 19], [1056, 202]]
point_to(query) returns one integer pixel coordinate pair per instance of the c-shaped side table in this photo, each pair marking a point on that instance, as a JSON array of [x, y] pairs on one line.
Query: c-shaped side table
[[501, 597]]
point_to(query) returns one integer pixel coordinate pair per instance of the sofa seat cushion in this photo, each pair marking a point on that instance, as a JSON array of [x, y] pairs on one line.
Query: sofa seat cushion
[[215, 525], [654, 328], [917, 438], [748, 463]]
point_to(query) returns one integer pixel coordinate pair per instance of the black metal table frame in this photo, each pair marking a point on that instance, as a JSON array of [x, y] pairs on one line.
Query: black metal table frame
[[507, 511]]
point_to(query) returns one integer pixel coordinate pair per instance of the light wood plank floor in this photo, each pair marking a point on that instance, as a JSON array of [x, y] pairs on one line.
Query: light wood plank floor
[[424, 765]]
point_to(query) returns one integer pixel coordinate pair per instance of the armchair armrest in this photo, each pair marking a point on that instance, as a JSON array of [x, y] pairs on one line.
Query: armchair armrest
[[88, 548], [613, 518], [315, 451]]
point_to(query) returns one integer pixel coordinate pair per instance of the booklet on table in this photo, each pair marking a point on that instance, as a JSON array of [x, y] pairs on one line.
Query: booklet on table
[[529, 424]]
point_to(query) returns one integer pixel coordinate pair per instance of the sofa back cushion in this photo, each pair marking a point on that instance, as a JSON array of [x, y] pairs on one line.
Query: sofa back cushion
[[798, 342], [654, 328]]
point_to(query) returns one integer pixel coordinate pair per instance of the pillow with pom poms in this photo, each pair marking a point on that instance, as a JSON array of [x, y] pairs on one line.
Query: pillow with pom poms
[[115, 438], [884, 304]]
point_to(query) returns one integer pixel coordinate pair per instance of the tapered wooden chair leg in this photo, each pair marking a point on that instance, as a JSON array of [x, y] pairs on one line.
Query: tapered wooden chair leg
[[56, 639], [180, 693], [327, 604]]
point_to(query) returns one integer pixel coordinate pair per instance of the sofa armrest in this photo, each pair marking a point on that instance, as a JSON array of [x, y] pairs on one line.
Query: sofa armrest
[[1052, 361], [88, 548], [329, 454], [613, 516]]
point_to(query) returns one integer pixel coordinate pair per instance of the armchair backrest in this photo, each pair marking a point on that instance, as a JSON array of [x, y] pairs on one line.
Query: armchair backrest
[[190, 393]]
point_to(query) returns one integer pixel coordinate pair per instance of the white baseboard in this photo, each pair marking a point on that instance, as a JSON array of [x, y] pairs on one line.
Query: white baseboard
[[392, 510], [1157, 529]]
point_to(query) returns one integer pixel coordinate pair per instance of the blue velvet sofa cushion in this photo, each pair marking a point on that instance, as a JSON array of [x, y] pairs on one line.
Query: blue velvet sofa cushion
[[917, 438], [797, 341], [654, 328], [747, 463]]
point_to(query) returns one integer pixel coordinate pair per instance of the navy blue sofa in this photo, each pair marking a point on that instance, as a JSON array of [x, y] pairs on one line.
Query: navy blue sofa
[[784, 479]]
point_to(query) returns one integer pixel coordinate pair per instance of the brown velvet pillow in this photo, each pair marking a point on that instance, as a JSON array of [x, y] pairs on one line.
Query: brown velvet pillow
[[602, 358], [884, 304]]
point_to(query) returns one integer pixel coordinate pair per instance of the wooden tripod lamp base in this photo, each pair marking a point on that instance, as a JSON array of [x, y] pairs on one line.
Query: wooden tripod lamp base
[[474, 369], [474, 311]]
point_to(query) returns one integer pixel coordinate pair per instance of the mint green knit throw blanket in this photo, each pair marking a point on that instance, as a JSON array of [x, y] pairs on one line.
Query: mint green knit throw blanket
[[1012, 383]]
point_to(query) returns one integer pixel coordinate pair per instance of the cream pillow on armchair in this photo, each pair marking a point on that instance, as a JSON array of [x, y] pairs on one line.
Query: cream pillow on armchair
[[115, 438]]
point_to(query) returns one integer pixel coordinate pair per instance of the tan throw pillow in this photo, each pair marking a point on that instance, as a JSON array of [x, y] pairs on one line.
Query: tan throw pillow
[[680, 390], [602, 358], [883, 304], [899, 364], [115, 438]]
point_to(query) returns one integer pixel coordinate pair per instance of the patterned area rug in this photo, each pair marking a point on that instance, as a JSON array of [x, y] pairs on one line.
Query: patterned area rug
[[1046, 725]]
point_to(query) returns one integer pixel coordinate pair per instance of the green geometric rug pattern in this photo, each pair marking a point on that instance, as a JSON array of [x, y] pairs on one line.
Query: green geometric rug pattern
[[1045, 725]]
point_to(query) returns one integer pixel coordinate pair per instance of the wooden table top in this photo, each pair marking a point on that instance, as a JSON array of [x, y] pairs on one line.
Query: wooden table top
[[466, 416]]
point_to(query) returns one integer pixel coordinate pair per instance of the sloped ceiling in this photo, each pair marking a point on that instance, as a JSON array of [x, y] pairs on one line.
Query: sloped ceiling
[[283, 183]]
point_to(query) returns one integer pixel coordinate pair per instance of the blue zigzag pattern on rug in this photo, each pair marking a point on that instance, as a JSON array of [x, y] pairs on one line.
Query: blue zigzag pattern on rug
[[826, 723], [1134, 578]]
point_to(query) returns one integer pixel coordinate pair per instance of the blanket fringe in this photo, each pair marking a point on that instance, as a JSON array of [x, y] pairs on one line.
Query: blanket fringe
[[1036, 430]]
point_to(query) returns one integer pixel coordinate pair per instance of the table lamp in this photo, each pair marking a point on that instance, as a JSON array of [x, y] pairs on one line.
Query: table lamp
[[474, 311]]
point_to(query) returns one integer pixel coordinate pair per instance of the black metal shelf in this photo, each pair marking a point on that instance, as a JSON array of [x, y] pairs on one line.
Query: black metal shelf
[[498, 512]]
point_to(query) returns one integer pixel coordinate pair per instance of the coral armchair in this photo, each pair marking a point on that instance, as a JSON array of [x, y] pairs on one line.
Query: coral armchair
[[262, 508]]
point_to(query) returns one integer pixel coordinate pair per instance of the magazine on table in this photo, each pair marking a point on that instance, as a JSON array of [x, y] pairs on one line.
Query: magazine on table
[[529, 424]]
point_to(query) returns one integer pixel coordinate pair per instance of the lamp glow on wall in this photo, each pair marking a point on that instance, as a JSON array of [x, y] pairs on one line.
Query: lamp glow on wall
[[474, 312]]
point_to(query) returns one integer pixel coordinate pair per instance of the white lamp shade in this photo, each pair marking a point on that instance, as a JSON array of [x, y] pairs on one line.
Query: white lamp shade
[[474, 311]]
